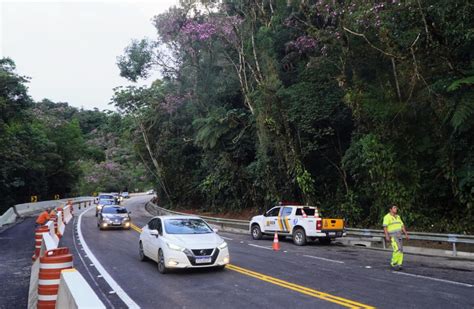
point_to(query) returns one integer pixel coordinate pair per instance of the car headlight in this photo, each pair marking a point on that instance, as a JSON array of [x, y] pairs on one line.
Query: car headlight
[[222, 246], [174, 247]]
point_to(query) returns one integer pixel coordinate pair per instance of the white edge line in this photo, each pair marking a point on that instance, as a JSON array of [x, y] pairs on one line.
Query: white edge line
[[107, 277], [324, 259], [260, 246], [434, 279]]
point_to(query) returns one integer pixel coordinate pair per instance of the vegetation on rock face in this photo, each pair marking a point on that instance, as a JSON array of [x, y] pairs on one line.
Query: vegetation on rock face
[[349, 105], [49, 148]]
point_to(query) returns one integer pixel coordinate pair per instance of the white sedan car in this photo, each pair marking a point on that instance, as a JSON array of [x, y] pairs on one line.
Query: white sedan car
[[182, 242]]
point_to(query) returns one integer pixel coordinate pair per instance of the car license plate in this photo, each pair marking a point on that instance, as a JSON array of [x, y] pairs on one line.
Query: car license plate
[[332, 234], [117, 223], [203, 260]]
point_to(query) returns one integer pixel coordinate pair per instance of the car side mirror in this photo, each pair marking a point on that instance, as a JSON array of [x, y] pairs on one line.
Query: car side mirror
[[154, 233], [215, 230], [129, 212]]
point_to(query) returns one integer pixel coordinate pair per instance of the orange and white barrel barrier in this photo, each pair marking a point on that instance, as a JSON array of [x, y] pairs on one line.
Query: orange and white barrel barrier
[[51, 265], [39, 240]]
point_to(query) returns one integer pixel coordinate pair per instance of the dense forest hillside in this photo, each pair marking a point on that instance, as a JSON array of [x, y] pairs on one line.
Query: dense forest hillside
[[348, 105], [49, 148]]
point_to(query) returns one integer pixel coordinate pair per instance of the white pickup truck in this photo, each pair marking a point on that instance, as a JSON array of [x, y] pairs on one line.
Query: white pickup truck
[[299, 222]]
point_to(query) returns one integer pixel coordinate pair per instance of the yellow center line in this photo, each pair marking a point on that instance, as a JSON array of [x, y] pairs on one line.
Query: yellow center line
[[291, 286], [136, 228]]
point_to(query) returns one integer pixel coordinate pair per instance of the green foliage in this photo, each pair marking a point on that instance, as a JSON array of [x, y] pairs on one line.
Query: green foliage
[[137, 60]]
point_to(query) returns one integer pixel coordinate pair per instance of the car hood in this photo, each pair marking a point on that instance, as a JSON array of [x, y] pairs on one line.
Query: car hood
[[195, 241], [115, 216], [258, 218]]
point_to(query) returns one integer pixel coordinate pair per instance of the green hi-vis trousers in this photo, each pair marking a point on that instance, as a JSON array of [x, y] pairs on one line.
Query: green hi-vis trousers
[[397, 255]]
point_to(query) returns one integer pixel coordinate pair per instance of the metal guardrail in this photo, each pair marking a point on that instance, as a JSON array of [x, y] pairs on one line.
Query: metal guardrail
[[449, 238], [367, 233]]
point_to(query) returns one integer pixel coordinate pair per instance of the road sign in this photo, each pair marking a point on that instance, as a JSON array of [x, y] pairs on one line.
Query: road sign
[[34, 198], [94, 194], [56, 196]]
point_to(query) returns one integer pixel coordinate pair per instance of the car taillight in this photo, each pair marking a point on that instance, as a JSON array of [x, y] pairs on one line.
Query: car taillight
[[319, 224]]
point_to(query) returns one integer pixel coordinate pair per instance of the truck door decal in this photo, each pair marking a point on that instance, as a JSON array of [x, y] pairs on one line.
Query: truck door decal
[[287, 223], [269, 222], [280, 224]]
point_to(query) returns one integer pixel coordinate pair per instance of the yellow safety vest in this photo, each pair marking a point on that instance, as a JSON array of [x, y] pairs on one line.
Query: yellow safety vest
[[393, 224]]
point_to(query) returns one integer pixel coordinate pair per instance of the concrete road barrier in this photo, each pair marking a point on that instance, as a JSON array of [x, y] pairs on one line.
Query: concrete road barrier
[[61, 226], [74, 292], [67, 214], [8, 217], [32, 208], [52, 232], [29, 209]]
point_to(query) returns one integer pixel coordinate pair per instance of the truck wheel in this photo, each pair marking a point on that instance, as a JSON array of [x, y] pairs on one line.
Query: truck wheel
[[325, 241], [256, 232], [299, 237]]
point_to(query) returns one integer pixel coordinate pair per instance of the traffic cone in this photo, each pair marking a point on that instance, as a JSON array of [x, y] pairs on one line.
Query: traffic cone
[[276, 244]]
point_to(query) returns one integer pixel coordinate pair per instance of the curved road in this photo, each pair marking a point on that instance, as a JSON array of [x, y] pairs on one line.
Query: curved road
[[313, 276]]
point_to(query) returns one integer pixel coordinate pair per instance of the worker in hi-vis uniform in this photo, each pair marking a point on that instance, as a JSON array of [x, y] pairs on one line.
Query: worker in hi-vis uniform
[[393, 227]]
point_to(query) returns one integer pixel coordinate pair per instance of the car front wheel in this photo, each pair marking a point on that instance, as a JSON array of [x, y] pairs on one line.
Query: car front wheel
[[256, 232], [141, 253], [161, 263]]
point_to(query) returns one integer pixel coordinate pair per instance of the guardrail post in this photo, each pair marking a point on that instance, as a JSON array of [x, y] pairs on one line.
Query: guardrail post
[[452, 239]]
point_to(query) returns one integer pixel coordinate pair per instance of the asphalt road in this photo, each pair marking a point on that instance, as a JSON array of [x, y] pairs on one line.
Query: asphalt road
[[16, 249], [313, 276]]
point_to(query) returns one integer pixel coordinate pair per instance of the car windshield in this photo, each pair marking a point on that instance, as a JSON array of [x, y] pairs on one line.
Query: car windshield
[[186, 226], [114, 210], [106, 197], [107, 202]]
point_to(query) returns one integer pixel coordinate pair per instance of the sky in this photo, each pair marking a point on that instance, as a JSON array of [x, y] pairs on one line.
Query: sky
[[69, 48]]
